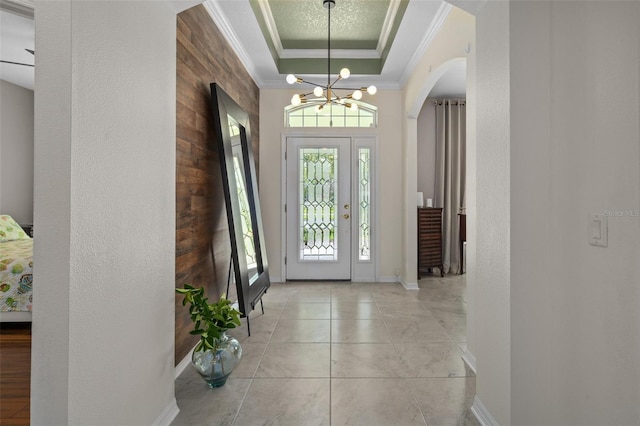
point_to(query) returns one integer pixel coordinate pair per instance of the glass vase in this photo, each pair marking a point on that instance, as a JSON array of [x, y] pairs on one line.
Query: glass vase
[[215, 365]]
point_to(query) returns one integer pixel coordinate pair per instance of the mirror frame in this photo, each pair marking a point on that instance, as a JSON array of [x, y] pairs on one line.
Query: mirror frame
[[223, 106]]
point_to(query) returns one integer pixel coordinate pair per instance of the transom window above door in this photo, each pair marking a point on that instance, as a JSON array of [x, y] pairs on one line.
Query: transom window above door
[[306, 116]]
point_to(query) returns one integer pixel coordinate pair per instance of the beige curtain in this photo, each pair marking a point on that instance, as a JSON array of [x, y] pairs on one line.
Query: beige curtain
[[450, 176]]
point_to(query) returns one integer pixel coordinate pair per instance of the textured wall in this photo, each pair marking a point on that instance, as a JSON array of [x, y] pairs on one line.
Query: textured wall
[[492, 275], [202, 237], [584, 351], [104, 207]]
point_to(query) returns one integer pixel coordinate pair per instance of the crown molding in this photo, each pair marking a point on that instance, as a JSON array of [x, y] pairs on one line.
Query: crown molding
[[220, 19], [434, 28], [270, 23], [387, 26], [335, 53], [354, 81]]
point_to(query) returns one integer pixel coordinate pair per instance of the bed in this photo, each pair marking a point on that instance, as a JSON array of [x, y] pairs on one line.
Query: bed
[[16, 272]]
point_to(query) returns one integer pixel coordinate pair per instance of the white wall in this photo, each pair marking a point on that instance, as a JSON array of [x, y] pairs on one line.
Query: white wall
[[531, 214], [493, 251], [272, 103], [16, 152], [557, 323], [593, 368], [103, 319], [427, 150]]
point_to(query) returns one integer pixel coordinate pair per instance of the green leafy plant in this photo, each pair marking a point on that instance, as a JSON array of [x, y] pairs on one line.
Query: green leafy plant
[[210, 320]]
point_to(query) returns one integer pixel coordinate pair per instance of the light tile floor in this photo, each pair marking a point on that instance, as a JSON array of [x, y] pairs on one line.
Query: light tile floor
[[344, 354]]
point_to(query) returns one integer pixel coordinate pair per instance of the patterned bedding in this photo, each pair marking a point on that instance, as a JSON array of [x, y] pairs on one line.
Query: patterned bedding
[[16, 267], [16, 275]]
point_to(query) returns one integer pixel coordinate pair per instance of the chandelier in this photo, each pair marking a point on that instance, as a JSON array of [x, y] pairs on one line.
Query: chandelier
[[328, 94]]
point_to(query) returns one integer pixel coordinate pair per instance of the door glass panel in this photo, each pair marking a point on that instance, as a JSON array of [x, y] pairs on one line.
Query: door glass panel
[[364, 204], [318, 195]]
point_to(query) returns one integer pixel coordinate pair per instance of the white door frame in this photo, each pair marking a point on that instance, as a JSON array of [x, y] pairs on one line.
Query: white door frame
[[337, 266], [361, 271]]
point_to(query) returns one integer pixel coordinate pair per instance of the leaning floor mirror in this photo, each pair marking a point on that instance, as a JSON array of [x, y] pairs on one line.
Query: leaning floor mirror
[[248, 257]]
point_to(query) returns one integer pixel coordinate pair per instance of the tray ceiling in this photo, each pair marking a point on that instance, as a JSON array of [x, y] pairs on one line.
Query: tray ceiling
[[380, 41], [361, 33]]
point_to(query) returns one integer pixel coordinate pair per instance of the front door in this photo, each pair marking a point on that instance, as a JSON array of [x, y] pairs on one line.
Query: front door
[[318, 208]]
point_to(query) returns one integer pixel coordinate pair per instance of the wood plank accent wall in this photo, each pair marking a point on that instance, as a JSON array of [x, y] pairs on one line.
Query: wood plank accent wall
[[203, 248]]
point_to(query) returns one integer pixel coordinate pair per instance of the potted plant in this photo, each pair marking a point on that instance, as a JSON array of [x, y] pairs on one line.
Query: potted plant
[[217, 354]]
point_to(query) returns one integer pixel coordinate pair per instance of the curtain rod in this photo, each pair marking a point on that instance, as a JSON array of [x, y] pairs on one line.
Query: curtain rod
[[463, 103]]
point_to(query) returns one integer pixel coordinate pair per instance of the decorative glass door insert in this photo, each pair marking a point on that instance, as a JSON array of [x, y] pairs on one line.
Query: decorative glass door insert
[[318, 204], [364, 203], [318, 208]]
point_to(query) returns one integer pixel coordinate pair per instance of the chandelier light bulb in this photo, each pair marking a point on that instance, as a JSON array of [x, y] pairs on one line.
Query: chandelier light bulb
[[295, 100], [318, 91], [354, 107], [291, 79], [372, 90], [357, 95], [345, 73]]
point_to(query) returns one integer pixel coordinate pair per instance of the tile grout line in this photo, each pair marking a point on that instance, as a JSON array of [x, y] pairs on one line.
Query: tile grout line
[[244, 397], [330, 352], [395, 348], [413, 383]]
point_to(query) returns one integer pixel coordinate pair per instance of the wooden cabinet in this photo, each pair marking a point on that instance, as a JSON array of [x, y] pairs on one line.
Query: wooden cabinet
[[430, 239]]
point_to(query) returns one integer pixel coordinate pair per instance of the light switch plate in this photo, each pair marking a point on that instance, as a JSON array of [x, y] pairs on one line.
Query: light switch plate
[[598, 230]]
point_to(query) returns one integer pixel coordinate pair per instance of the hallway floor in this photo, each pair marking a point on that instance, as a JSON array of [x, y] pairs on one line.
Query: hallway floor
[[344, 354]]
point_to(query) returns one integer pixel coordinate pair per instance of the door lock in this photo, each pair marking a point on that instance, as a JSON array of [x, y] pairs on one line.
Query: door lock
[[346, 215]]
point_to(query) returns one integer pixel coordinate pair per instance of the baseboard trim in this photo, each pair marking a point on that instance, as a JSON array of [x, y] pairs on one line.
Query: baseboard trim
[[363, 280], [409, 286], [470, 360], [168, 415], [184, 363], [275, 280], [482, 415]]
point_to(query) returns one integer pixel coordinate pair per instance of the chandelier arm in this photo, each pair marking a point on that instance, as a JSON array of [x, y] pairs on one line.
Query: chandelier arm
[[313, 84], [336, 80], [346, 88]]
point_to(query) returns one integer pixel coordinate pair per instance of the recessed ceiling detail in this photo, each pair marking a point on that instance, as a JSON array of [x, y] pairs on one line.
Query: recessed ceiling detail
[[362, 32]]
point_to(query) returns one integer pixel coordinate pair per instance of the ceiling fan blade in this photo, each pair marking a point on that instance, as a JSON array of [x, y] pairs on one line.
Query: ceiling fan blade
[[30, 51], [16, 63]]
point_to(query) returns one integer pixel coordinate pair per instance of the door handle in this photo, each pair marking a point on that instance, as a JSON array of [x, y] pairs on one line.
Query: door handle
[[346, 215]]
